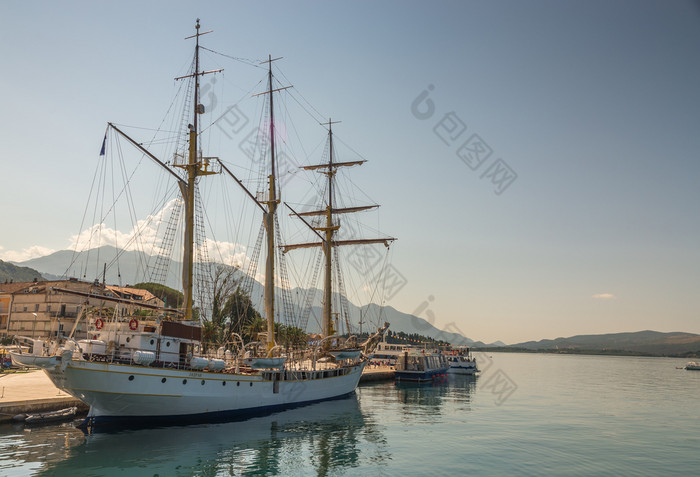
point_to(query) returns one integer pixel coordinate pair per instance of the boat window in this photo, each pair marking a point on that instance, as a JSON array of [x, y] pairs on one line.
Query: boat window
[[131, 378], [184, 381], [163, 380]]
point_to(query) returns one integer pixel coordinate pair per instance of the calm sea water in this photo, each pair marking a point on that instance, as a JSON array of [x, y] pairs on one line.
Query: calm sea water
[[524, 415]]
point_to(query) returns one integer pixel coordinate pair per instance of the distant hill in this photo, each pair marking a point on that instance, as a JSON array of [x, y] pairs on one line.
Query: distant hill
[[89, 266], [10, 272], [650, 342]]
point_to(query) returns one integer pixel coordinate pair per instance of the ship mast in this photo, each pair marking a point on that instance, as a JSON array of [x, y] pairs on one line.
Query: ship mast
[[269, 223], [329, 229], [195, 166], [327, 241]]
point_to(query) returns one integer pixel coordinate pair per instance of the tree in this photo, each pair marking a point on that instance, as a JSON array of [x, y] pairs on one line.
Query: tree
[[253, 328], [171, 297], [290, 336], [232, 311]]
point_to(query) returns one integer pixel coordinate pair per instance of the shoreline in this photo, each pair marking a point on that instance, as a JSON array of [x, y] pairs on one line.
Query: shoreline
[[592, 352]]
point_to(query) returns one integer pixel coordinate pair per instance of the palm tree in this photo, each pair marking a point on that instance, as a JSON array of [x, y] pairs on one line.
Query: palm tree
[[253, 328]]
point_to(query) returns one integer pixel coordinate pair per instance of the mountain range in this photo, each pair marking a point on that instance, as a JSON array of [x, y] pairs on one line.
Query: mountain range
[[643, 342], [89, 266], [12, 272]]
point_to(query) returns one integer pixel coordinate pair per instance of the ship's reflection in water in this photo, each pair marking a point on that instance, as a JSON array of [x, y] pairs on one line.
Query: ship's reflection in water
[[424, 402], [318, 439]]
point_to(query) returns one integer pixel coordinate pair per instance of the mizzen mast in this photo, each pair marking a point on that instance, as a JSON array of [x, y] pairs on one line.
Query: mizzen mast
[[327, 243]]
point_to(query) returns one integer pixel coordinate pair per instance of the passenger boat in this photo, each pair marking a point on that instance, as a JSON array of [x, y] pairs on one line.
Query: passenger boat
[[389, 352], [461, 362], [420, 366], [693, 366], [159, 368]]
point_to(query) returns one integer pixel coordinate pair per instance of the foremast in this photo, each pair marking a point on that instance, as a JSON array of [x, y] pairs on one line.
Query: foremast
[[195, 166], [328, 242]]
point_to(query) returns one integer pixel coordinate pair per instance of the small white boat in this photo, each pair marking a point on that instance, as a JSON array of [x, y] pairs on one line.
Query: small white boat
[[34, 353], [346, 354], [693, 366], [265, 363]]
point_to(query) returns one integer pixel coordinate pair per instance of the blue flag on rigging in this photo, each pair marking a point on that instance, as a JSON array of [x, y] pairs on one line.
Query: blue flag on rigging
[[104, 141]]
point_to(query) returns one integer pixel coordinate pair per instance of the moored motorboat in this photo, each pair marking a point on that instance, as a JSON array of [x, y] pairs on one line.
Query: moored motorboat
[[420, 366], [462, 362]]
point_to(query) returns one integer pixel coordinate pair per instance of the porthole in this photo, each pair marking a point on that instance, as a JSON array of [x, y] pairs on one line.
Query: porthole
[[152, 341], [167, 343], [251, 385], [202, 382], [131, 378], [223, 383], [128, 339], [184, 381], [238, 383], [163, 380]]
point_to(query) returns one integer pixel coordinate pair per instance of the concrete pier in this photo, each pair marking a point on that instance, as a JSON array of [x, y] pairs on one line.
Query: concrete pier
[[29, 392], [380, 373]]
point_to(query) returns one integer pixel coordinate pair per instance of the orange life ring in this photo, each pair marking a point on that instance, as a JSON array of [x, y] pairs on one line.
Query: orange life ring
[[99, 323], [133, 324]]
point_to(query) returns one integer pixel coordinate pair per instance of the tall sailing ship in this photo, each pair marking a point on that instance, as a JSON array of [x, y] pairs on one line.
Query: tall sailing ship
[[158, 369]]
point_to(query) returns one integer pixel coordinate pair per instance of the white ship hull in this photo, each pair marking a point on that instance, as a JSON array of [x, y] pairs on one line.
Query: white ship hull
[[462, 369], [122, 393]]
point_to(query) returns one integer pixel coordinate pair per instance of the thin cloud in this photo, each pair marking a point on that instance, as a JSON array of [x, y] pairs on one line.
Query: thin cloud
[[145, 236], [25, 254], [604, 296]]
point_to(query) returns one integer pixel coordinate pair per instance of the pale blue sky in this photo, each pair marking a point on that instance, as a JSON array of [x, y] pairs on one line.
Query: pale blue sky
[[594, 105]]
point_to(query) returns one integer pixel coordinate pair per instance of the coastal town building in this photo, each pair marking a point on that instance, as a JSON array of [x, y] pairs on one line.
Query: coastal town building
[[47, 308]]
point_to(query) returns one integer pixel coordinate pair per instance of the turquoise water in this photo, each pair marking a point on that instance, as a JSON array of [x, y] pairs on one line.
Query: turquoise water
[[524, 415]]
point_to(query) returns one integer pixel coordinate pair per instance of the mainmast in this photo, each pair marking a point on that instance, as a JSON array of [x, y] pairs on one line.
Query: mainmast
[[269, 223]]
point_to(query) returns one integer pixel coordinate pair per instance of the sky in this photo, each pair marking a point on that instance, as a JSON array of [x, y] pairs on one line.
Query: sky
[[538, 161]]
